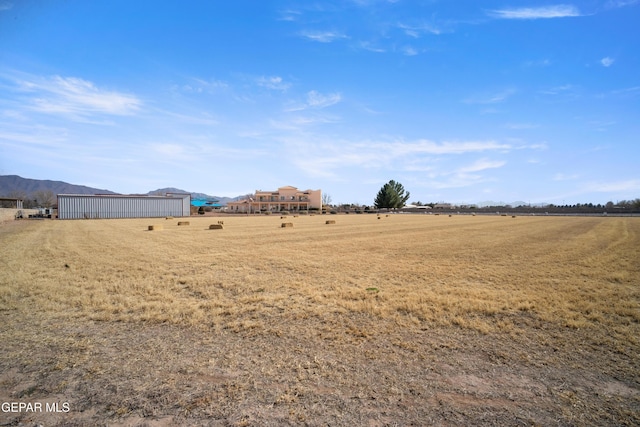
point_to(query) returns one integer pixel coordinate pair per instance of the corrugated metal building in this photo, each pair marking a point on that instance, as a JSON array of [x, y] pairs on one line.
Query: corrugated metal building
[[93, 206]]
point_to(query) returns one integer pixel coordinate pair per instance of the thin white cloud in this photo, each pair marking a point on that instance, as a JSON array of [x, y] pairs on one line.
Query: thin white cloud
[[202, 85], [323, 36], [545, 12], [370, 47], [631, 186], [607, 62], [415, 31], [559, 90], [273, 83], [74, 97], [290, 15], [448, 147], [614, 4], [316, 100], [409, 51], [521, 126], [5, 5], [482, 164], [326, 158], [564, 177], [539, 63], [494, 98]]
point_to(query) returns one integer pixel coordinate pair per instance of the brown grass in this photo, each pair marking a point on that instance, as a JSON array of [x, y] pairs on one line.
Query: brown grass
[[416, 320]]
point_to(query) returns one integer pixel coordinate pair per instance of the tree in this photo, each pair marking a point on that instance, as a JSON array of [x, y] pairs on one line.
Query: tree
[[326, 199], [392, 195], [44, 198]]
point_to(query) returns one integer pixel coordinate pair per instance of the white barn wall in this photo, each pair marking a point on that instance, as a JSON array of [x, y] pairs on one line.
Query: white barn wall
[[79, 206]]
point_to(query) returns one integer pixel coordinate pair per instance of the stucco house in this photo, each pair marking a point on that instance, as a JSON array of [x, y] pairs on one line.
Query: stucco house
[[286, 198]]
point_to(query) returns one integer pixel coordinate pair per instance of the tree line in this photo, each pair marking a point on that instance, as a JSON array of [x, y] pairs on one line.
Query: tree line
[[36, 199]]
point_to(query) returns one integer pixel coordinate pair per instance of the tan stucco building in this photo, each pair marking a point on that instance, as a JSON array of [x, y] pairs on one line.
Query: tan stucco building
[[284, 199]]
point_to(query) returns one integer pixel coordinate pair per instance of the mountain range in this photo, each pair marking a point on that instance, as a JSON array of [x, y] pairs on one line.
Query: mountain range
[[16, 186]]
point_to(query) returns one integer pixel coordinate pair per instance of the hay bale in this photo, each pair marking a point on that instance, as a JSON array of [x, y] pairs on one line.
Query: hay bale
[[155, 227], [221, 222], [183, 222], [286, 224], [513, 216], [379, 217], [283, 217], [215, 227], [330, 221], [169, 217]]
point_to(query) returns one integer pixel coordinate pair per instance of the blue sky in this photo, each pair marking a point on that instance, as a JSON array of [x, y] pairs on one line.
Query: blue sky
[[460, 101]]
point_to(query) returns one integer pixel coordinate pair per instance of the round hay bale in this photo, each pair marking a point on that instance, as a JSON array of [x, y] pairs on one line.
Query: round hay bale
[[330, 221], [169, 217], [286, 224], [379, 217], [215, 227], [183, 222], [155, 227], [513, 216]]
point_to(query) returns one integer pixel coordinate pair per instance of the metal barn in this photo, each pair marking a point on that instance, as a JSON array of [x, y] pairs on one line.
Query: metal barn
[[92, 206]]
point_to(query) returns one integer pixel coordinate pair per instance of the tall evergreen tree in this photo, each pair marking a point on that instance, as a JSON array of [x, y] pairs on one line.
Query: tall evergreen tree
[[392, 195]]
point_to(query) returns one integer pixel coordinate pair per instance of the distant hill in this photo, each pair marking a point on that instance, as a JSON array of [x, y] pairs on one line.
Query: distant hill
[[24, 187], [14, 184]]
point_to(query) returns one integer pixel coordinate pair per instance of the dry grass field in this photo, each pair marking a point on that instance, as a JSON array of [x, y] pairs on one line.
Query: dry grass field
[[402, 320]]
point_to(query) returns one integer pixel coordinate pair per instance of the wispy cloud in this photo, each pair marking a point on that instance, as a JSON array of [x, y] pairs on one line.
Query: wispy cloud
[[607, 62], [539, 63], [323, 36], [416, 31], [494, 98], [612, 4], [274, 83], [521, 126], [482, 164], [564, 177], [632, 185], [5, 5], [290, 15], [545, 12], [316, 100], [74, 97], [409, 51], [559, 90]]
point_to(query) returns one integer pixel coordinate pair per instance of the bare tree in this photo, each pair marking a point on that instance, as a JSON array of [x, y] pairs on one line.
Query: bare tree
[[44, 198], [326, 199]]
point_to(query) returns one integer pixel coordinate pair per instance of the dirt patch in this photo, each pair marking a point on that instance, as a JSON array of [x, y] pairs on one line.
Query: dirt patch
[[155, 375]]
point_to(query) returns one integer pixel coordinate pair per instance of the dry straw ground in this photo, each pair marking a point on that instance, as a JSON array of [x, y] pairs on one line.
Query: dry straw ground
[[406, 320]]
